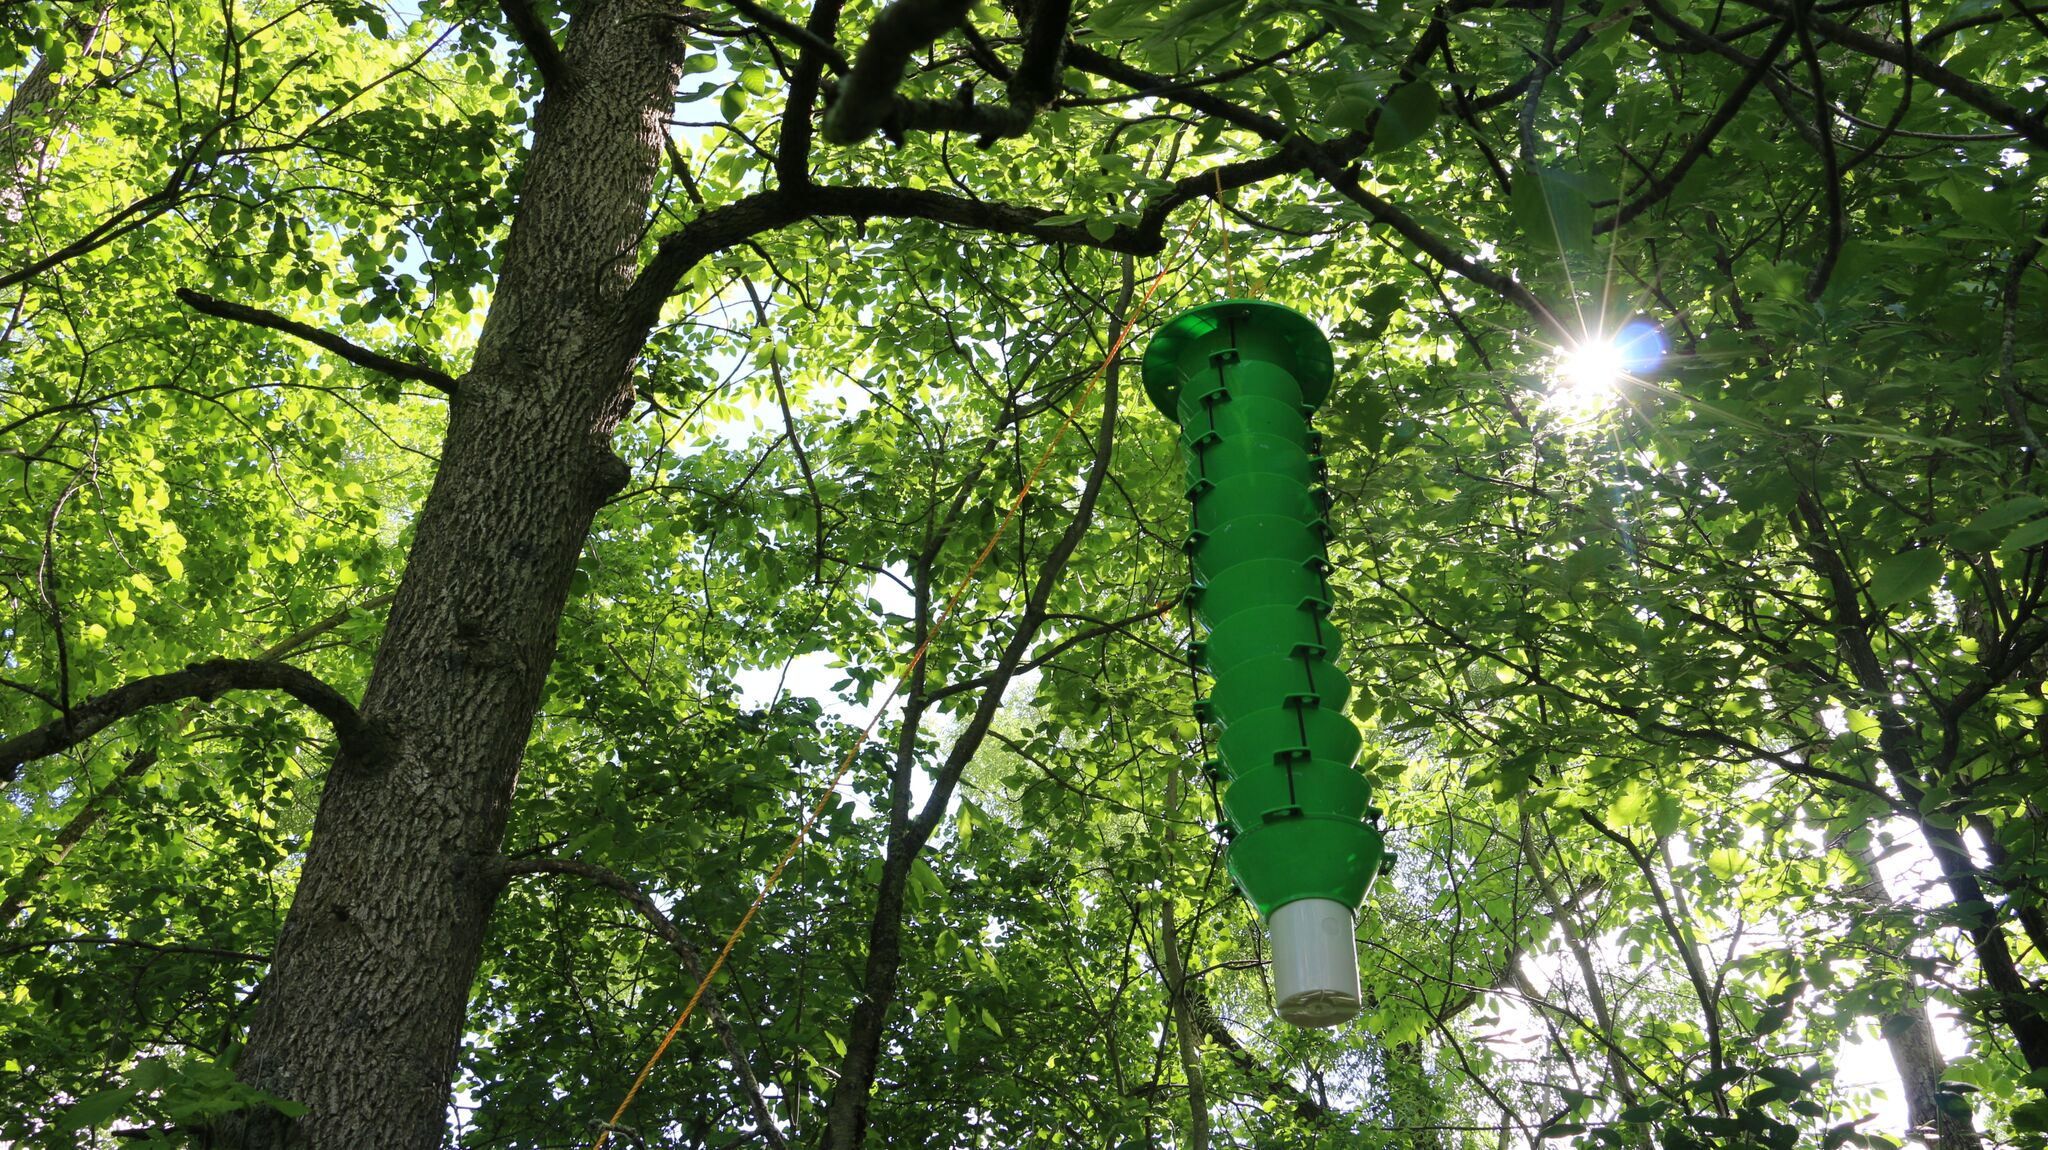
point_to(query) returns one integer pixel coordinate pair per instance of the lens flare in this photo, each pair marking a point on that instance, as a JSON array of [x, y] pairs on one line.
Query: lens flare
[[1586, 378]]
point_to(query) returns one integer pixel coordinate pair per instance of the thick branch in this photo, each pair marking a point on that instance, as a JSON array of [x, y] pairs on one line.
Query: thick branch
[[793, 150], [1897, 741], [730, 224], [533, 35], [2008, 304], [1037, 79], [50, 855], [1831, 166], [693, 965], [134, 944], [868, 93], [199, 681], [354, 353]]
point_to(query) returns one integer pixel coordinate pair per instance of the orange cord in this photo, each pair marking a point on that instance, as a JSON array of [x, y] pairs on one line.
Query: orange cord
[[846, 764]]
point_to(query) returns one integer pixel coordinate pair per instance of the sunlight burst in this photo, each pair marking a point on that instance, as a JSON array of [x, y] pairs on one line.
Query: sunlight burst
[[1586, 378]]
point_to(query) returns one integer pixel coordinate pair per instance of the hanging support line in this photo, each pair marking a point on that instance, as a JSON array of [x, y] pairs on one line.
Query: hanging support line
[[917, 657]]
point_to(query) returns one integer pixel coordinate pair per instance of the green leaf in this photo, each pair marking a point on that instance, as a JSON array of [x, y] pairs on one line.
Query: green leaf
[[1984, 530], [1553, 212], [1904, 577], [1726, 862], [1665, 813], [954, 1023], [1100, 229], [97, 1109], [2032, 535], [1717, 1079], [1278, 90], [1632, 807], [1405, 115]]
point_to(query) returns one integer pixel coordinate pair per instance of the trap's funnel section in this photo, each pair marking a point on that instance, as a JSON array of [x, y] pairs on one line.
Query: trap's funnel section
[[1242, 378]]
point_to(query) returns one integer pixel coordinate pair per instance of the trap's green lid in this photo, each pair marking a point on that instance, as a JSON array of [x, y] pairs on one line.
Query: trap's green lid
[[1262, 330]]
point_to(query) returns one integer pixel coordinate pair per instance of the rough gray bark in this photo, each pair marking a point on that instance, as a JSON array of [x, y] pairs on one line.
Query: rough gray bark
[[362, 1015]]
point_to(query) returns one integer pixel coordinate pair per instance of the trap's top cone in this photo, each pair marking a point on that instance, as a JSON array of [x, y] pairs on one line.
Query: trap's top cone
[[1277, 335]]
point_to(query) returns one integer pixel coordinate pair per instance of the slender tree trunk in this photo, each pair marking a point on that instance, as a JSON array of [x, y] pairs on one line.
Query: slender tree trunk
[[362, 1016], [1589, 974], [1176, 973], [846, 1112], [1910, 1036], [2013, 1004]]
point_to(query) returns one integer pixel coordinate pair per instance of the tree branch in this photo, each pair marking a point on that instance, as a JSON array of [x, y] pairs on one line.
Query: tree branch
[[353, 353], [805, 40], [693, 965], [1662, 186], [1920, 64], [202, 681], [1831, 166], [1037, 79], [1050, 653], [868, 94], [733, 223], [793, 149], [134, 943], [533, 35], [2008, 305]]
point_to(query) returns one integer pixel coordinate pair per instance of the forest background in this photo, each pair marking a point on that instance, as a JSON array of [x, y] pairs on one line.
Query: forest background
[[471, 469]]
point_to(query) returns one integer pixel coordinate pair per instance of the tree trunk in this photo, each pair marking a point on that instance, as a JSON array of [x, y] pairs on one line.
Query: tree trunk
[[25, 154], [1176, 973], [1910, 1037], [846, 1112], [362, 1016]]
